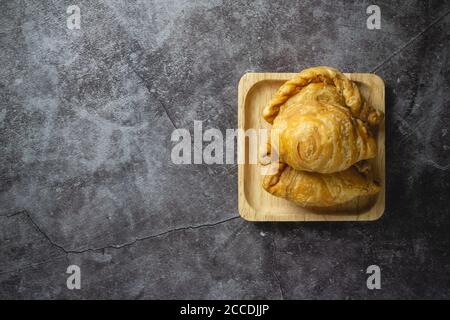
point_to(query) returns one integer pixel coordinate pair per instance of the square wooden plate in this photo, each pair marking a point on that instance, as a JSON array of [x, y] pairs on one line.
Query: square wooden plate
[[255, 204]]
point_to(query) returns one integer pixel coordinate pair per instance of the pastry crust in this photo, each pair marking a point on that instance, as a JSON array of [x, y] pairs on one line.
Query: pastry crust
[[320, 137], [320, 132], [310, 189], [346, 88]]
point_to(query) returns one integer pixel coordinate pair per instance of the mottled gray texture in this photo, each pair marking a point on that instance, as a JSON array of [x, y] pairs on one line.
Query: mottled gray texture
[[85, 172]]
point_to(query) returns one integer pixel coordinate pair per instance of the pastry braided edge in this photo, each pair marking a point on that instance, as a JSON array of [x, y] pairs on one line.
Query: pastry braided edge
[[346, 87]]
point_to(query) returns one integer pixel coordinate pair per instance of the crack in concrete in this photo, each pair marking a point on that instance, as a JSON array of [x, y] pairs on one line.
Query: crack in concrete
[[139, 75], [34, 264], [153, 236], [149, 90], [122, 245], [396, 52], [274, 271], [36, 226]]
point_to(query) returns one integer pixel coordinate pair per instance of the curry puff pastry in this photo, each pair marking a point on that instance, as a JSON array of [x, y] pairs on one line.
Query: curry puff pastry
[[311, 189], [321, 131]]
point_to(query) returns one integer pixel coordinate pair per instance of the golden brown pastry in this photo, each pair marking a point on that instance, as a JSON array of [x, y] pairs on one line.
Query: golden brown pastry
[[320, 137], [345, 88], [310, 189], [320, 132]]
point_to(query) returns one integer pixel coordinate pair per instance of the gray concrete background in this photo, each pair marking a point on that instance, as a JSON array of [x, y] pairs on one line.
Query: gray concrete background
[[85, 172]]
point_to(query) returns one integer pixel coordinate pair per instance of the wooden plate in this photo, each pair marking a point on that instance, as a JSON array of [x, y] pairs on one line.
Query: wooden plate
[[255, 204]]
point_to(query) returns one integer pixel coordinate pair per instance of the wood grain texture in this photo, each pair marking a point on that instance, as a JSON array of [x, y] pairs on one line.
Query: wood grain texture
[[255, 204]]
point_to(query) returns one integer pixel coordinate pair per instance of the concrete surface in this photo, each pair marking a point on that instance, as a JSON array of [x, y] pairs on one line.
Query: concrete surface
[[85, 171]]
